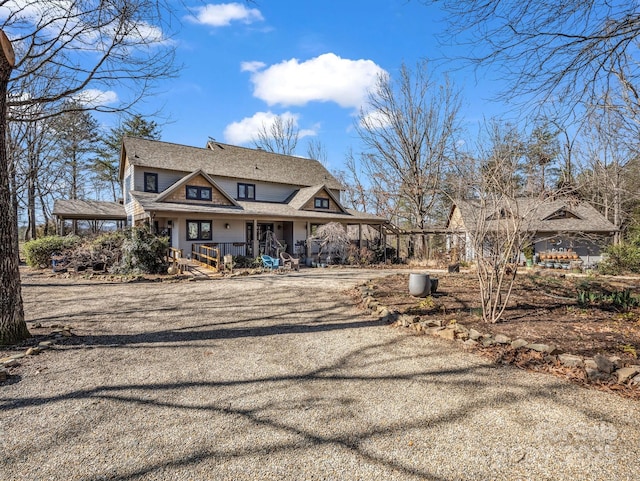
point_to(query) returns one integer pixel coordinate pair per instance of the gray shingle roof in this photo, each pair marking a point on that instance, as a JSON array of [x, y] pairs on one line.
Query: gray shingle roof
[[89, 209], [537, 212], [225, 160], [162, 195], [305, 194]]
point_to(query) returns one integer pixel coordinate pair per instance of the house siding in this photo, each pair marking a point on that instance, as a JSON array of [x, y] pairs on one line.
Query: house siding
[[127, 185], [180, 194], [310, 205], [265, 192], [166, 178]]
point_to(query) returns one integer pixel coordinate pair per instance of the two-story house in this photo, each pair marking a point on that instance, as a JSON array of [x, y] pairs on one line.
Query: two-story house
[[230, 196]]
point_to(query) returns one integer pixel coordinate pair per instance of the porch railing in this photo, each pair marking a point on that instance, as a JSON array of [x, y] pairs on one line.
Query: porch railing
[[206, 255], [233, 248]]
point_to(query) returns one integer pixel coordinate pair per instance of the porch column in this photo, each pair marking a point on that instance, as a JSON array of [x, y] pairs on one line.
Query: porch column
[[359, 238], [254, 241], [307, 246]]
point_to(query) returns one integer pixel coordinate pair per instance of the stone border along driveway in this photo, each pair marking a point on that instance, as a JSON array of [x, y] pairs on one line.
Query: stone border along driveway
[[281, 377], [599, 368]]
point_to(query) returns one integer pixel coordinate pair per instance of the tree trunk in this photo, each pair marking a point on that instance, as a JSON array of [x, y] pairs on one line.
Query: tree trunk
[[31, 208], [12, 326]]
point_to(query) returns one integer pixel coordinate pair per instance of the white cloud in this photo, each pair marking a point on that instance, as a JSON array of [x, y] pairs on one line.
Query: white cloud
[[221, 15], [327, 78], [95, 97], [246, 130], [252, 66], [376, 120]]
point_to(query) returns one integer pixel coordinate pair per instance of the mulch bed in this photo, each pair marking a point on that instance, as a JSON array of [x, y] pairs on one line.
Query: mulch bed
[[543, 308]]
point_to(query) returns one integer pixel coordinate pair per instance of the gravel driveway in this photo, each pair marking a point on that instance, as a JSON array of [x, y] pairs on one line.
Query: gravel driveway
[[281, 377]]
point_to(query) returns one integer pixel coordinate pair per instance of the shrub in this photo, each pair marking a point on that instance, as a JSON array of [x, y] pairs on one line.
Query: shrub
[[143, 252], [38, 252], [621, 258], [244, 262]]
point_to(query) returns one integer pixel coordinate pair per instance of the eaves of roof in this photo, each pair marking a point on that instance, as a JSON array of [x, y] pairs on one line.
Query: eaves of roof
[[250, 210]]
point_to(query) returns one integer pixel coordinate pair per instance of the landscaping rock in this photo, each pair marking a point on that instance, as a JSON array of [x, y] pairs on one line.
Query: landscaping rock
[[603, 363], [626, 373], [548, 349], [433, 322], [462, 335], [447, 334], [590, 364], [502, 339], [390, 317], [460, 329], [474, 335], [470, 343], [518, 343], [596, 374], [570, 360], [488, 341], [405, 321], [434, 330], [617, 362]]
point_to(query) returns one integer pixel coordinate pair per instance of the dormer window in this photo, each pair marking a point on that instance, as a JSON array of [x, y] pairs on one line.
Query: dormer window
[[150, 182], [195, 192], [246, 191], [321, 203]]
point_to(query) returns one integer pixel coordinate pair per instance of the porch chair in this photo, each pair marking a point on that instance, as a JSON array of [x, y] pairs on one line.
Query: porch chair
[[269, 262], [289, 261]]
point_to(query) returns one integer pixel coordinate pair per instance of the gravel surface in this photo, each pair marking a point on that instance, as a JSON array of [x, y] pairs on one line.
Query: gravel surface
[[281, 377]]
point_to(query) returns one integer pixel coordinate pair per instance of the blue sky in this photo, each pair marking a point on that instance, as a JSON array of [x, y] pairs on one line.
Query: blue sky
[[246, 62]]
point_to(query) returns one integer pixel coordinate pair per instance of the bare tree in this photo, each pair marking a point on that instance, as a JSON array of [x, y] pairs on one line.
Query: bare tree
[[356, 194], [30, 145], [409, 130], [84, 50], [497, 219], [611, 169], [316, 150], [281, 136], [80, 50], [12, 325], [566, 51], [333, 242]]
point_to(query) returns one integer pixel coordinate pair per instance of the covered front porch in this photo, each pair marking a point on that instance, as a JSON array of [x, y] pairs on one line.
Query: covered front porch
[[253, 237]]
